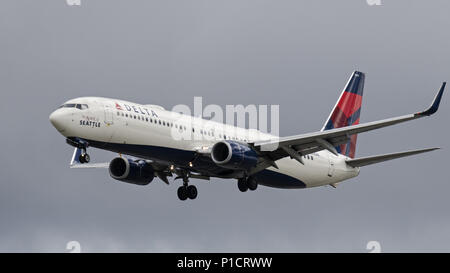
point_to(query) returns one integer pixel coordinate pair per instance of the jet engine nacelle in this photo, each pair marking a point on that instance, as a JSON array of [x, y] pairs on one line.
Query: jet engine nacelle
[[127, 170], [234, 155]]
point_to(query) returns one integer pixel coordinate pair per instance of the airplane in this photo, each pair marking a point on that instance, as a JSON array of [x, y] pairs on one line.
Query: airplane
[[143, 136]]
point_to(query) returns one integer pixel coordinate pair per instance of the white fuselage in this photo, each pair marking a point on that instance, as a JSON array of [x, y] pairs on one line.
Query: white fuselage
[[150, 132]]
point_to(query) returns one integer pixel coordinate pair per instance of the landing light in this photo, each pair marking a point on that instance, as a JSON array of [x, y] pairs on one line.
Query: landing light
[[190, 164]]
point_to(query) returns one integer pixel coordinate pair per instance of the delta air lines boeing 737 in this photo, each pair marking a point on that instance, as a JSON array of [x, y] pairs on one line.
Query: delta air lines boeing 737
[[143, 136]]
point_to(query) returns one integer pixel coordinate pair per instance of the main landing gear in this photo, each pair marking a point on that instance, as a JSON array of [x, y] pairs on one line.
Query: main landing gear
[[247, 183], [187, 191]]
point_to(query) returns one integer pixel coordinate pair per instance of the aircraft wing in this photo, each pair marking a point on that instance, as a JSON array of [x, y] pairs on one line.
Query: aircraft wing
[[161, 170], [298, 145]]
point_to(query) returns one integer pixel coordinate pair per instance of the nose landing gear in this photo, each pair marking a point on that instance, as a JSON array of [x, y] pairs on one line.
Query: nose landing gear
[[81, 145], [84, 157]]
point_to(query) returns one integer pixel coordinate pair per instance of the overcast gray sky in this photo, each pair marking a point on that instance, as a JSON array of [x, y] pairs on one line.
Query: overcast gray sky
[[297, 54]]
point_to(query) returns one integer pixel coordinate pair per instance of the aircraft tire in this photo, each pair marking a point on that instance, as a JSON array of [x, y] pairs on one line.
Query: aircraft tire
[[182, 193], [192, 192], [242, 185], [252, 184], [86, 158]]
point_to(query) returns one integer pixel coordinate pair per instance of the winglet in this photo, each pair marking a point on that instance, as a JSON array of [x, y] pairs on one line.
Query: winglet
[[435, 105]]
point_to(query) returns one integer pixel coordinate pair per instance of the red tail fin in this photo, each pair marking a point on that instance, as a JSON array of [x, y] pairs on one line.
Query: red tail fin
[[347, 110]]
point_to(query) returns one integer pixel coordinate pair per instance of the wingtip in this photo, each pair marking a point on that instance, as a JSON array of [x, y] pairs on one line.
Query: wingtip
[[436, 102], [432, 149]]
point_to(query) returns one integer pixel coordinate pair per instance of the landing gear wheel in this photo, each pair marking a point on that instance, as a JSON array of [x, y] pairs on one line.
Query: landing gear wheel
[[192, 192], [182, 193], [252, 184], [242, 184], [84, 158]]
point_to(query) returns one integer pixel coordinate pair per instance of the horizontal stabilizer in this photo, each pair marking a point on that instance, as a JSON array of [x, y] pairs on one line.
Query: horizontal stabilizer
[[364, 161], [90, 166]]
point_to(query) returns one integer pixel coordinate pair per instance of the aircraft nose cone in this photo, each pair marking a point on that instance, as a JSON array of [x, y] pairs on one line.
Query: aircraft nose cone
[[57, 120]]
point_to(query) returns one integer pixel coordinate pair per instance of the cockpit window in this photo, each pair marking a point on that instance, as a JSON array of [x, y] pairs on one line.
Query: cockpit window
[[73, 105], [82, 106], [68, 105]]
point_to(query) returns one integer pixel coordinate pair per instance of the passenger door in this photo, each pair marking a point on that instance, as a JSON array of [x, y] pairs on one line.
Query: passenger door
[[108, 130], [109, 115]]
